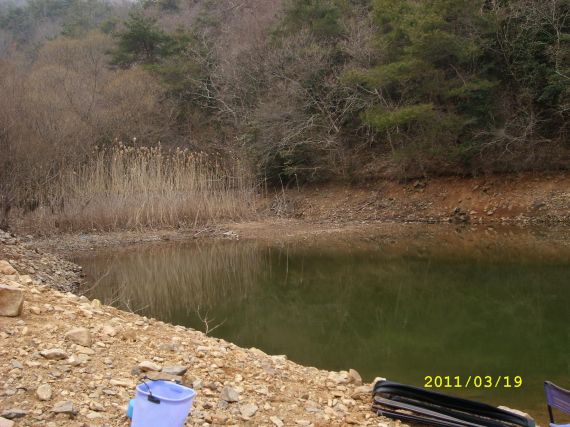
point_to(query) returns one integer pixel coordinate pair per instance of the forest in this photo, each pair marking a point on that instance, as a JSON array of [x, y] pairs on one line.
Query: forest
[[117, 114]]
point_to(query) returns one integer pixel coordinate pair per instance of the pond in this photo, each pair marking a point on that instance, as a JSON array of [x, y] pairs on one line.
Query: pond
[[402, 311]]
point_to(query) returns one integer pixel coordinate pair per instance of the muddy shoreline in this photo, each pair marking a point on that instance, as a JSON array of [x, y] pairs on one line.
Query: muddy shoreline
[[444, 240]]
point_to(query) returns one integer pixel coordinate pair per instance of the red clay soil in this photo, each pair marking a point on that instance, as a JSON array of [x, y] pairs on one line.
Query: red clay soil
[[521, 199]]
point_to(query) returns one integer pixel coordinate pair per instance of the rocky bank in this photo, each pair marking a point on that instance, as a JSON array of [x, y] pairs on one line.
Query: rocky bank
[[68, 361]]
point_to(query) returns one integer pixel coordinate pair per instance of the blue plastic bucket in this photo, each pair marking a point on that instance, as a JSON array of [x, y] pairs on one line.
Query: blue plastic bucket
[[130, 408], [161, 403]]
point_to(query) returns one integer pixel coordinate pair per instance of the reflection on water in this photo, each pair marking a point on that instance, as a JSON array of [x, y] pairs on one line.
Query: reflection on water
[[402, 317], [171, 282]]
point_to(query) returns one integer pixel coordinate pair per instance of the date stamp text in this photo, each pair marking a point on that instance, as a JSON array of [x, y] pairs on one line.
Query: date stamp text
[[473, 381]]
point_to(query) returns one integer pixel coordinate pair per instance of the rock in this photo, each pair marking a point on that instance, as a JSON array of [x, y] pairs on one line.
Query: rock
[[121, 383], [6, 268], [11, 301], [157, 376], [54, 354], [363, 392], [354, 377], [108, 330], [175, 370], [25, 280], [93, 415], [85, 350], [277, 421], [78, 360], [44, 392], [80, 336], [95, 406], [14, 413], [460, 216], [229, 395], [96, 303], [16, 364], [339, 377], [219, 419], [64, 407], [248, 410], [4, 422], [147, 366], [169, 347]]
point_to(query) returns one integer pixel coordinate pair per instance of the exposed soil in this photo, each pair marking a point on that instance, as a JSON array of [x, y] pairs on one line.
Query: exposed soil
[[516, 199]]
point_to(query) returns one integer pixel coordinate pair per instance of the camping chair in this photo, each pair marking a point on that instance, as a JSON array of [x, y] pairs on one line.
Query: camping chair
[[557, 398]]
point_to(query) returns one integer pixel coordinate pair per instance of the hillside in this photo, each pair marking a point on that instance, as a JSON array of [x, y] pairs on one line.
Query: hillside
[[277, 93]]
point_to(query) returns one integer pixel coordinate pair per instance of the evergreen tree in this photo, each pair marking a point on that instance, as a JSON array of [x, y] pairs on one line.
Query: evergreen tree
[[142, 42], [433, 83], [322, 17]]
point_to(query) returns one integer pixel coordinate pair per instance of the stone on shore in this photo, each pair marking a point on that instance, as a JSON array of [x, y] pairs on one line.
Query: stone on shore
[[96, 406], [44, 392], [175, 370], [64, 407], [229, 395], [354, 377], [147, 366], [13, 413], [6, 268], [25, 280], [54, 354], [339, 377], [363, 392], [108, 329], [80, 336], [277, 421], [162, 376], [248, 410], [4, 422], [11, 301]]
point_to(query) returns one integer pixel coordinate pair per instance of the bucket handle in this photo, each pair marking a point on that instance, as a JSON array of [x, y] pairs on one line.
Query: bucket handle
[[151, 398]]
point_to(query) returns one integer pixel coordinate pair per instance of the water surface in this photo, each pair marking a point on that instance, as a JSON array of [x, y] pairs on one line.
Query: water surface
[[398, 314]]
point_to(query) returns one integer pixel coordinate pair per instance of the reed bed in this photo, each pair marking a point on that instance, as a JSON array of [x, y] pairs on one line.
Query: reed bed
[[126, 187]]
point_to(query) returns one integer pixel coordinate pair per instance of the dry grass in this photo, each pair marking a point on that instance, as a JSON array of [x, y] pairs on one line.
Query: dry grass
[[128, 188]]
